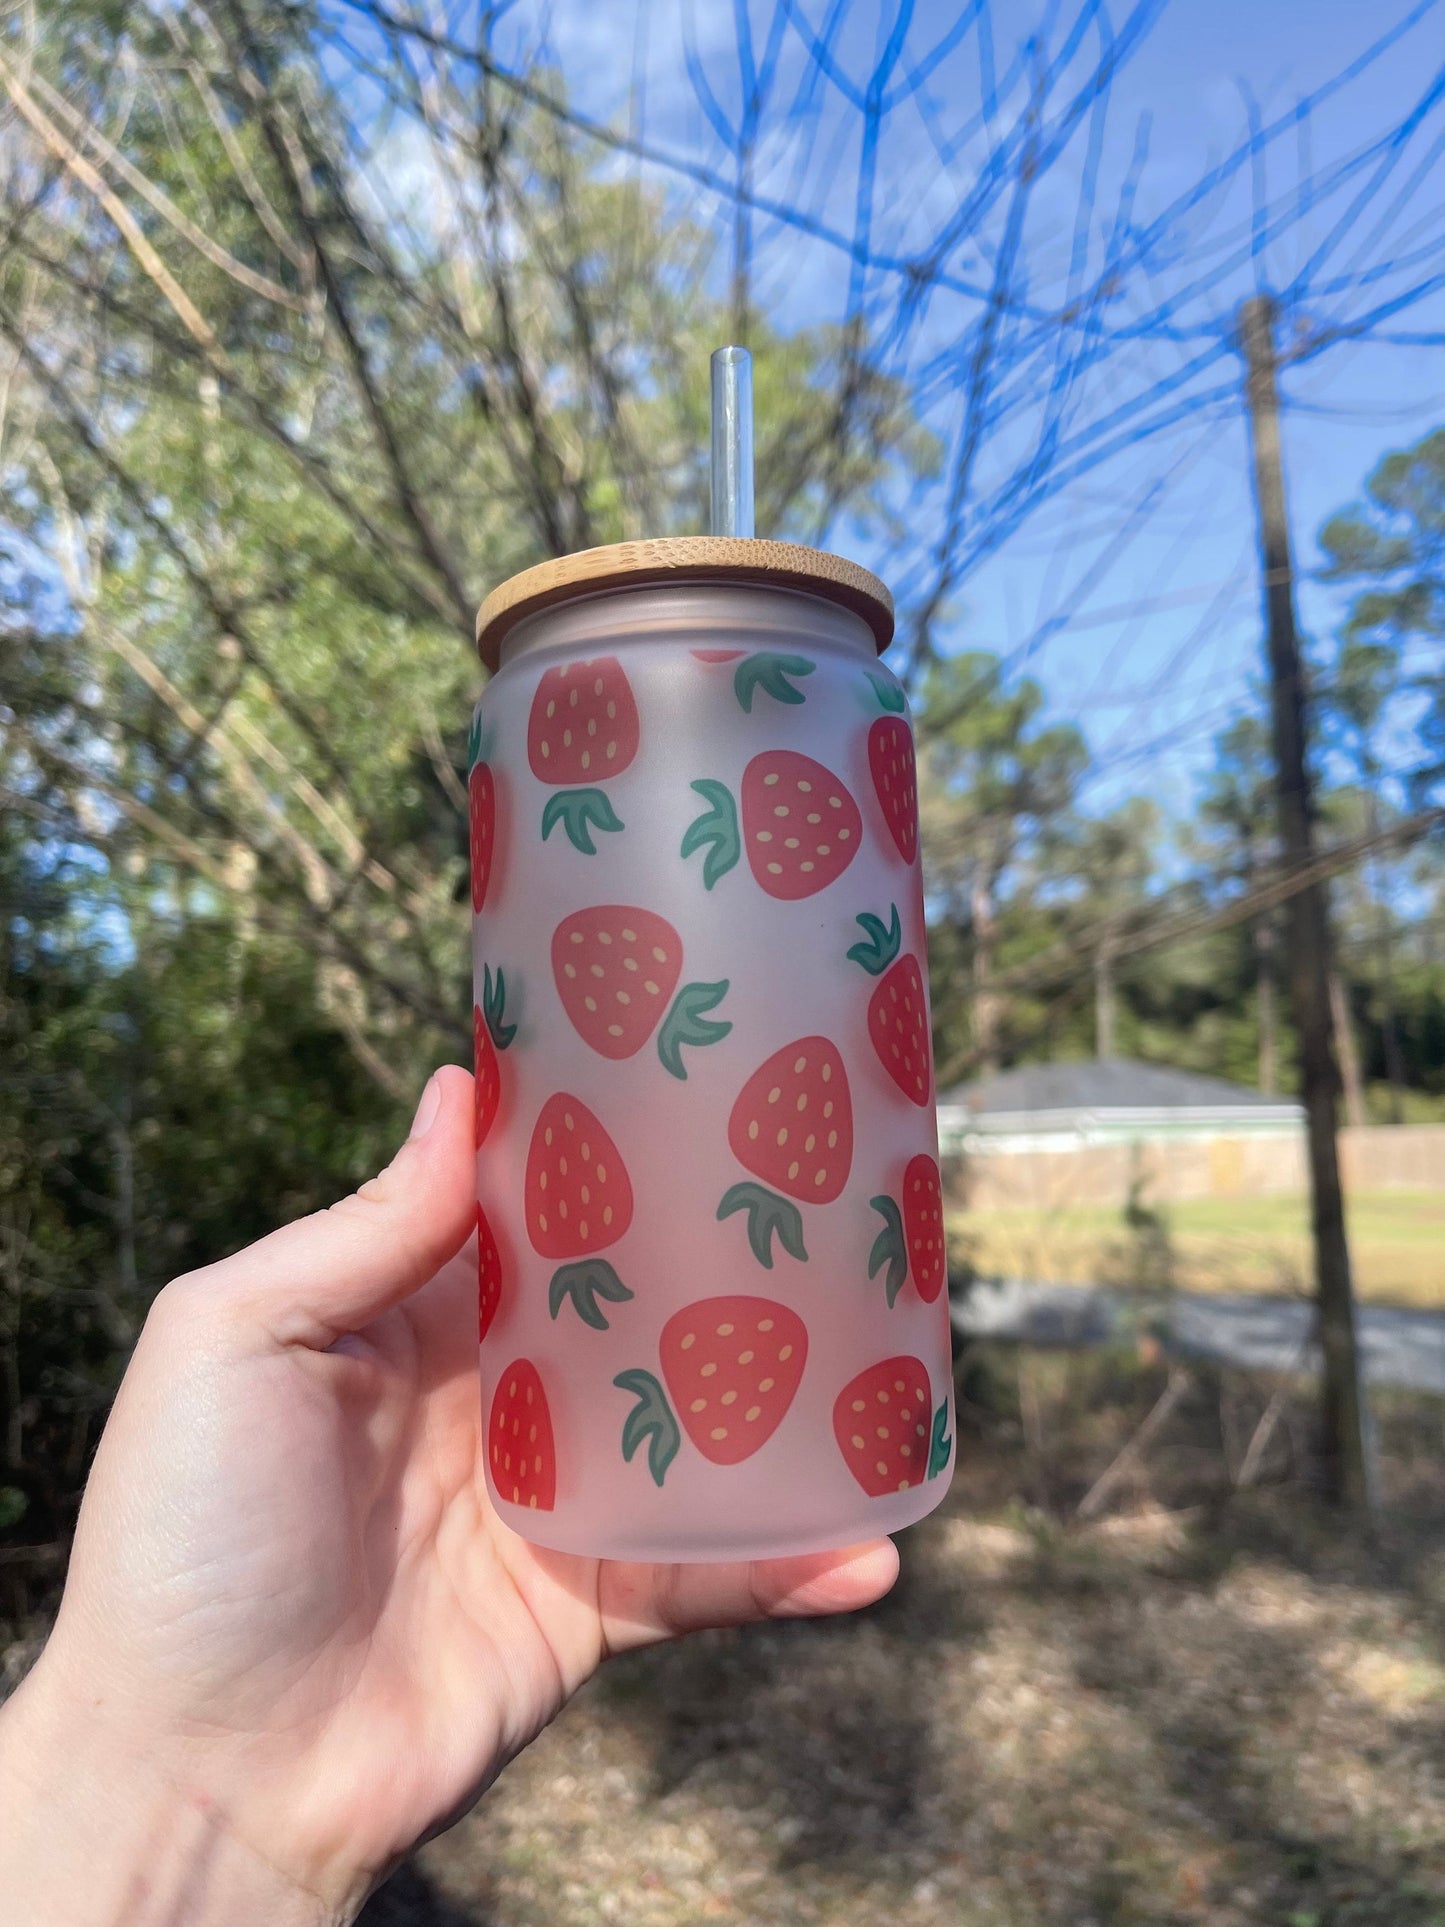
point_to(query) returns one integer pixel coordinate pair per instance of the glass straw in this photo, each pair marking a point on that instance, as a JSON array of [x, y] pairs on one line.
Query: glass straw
[[732, 442]]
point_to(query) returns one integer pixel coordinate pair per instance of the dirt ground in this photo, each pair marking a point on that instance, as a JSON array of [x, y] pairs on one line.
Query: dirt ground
[[1205, 1705]]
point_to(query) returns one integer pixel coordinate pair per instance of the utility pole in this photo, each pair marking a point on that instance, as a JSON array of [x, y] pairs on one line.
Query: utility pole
[[1307, 934]]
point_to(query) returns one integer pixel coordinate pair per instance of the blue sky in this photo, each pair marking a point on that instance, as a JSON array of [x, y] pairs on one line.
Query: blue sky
[[1158, 652]]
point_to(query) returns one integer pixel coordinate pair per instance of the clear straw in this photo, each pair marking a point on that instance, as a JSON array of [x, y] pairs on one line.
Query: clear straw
[[732, 442]]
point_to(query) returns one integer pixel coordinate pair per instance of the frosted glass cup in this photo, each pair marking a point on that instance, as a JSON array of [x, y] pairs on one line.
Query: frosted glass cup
[[713, 1298]]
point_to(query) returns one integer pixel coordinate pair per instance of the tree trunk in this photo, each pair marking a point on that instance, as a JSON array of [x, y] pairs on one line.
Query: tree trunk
[[1104, 1000], [1355, 1113], [1266, 1016], [1307, 935], [1390, 1023], [985, 998]]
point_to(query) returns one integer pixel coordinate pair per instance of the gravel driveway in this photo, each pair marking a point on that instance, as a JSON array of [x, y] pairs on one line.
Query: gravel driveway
[[1401, 1347]]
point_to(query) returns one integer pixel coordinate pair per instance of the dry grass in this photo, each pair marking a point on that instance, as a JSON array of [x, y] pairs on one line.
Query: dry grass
[[1397, 1244], [1207, 1708]]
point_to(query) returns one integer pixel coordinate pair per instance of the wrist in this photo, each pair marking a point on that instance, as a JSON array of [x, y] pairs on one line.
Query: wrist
[[97, 1833]]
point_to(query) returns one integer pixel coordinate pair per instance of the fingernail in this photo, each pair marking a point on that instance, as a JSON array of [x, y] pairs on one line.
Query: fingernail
[[426, 1110]]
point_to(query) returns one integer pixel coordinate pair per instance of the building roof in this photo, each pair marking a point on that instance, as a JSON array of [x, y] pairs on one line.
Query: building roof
[[1102, 1085]]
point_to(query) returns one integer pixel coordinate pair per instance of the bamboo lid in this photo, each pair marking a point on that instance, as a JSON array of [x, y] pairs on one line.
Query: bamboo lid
[[683, 558]]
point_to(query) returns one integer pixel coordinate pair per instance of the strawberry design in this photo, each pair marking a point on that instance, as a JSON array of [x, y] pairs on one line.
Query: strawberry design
[[898, 1008], [881, 1423], [732, 1366], [489, 1275], [491, 1034], [923, 1226], [520, 1448], [616, 967], [792, 1126], [582, 729], [895, 781], [911, 1243], [578, 1201], [717, 655], [800, 826], [482, 815]]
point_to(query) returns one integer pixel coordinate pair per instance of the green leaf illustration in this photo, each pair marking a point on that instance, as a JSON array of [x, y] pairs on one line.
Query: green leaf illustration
[[883, 945], [715, 831], [890, 696], [474, 741], [650, 1419], [578, 811], [686, 1024], [584, 1283], [494, 1007], [771, 674], [889, 1248], [940, 1443], [768, 1214]]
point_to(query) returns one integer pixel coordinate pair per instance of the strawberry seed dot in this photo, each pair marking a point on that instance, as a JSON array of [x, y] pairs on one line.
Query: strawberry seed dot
[[708, 1371], [688, 1340]]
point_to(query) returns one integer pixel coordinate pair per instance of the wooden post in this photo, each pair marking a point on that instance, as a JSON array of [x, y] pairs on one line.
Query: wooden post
[[1307, 945]]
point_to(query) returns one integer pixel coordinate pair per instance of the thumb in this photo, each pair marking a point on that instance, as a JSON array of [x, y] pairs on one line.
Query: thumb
[[324, 1276]]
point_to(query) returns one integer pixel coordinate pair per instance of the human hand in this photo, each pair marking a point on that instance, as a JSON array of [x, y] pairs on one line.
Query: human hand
[[295, 1638]]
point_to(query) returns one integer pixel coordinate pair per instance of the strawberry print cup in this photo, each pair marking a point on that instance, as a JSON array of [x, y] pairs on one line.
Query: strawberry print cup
[[713, 1297]]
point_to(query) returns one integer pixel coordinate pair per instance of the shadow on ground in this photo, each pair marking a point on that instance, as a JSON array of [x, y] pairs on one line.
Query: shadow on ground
[[1207, 1707], [410, 1900]]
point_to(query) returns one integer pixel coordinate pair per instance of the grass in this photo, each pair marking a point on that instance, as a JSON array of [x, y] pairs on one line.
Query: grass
[[1209, 1709], [1397, 1244]]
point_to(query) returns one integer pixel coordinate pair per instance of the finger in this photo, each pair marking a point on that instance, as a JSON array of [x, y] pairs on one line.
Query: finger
[[332, 1273], [642, 1604]]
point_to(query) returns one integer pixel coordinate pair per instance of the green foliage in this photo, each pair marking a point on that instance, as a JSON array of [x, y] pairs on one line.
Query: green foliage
[[1388, 548], [252, 485]]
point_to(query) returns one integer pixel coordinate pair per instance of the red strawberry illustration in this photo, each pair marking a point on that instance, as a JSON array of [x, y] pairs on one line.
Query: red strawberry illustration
[[911, 1243], [898, 1008], [799, 824], [491, 1034], [520, 1447], [578, 1201], [489, 1275], [483, 818], [792, 1126], [732, 1366], [582, 729], [717, 655], [923, 1225], [881, 1420], [616, 967], [895, 779]]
